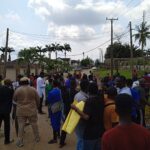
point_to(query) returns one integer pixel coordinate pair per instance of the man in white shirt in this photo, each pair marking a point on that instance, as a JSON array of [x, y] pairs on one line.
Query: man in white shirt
[[121, 86], [41, 90]]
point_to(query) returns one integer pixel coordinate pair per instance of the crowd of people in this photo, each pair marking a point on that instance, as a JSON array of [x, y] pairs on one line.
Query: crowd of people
[[113, 117]]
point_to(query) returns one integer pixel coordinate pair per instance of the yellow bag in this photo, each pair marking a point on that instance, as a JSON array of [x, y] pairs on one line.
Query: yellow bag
[[73, 118]]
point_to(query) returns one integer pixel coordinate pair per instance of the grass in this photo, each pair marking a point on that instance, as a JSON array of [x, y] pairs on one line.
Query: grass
[[126, 73]]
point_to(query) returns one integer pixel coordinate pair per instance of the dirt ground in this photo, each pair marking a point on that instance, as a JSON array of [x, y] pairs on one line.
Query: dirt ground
[[45, 135]]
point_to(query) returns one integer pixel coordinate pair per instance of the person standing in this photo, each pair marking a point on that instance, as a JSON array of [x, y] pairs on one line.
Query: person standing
[[92, 117], [81, 96], [68, 97], [111, 118], [55, 108], [27, 100], [41, 90], [6, 95], [127, 135]]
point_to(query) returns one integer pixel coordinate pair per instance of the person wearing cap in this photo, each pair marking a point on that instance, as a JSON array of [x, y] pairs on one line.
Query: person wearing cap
[[6, 95], [127, 135], [27, 100]]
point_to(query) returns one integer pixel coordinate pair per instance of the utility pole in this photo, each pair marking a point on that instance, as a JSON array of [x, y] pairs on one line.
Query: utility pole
[[131, 47], [83, 55], [143, 16], [142, 42], [6, 49], [100, 54], [111, 21]]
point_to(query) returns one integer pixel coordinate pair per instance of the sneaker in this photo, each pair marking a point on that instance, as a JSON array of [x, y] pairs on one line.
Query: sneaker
[[52, 141], [19, 143]]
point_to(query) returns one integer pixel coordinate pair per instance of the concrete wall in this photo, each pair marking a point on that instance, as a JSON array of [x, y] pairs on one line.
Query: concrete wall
[[11, 74]]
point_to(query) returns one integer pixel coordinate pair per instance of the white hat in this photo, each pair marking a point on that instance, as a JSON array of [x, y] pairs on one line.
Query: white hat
[[24, 79]]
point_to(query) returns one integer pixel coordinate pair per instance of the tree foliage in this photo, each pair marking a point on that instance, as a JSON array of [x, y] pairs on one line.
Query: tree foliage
[[142, 34], [97, 63], [37, 54], [122, 51], [87, 62], [27, 57]]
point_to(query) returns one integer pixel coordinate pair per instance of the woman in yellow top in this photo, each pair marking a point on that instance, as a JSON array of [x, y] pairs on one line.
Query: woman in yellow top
[[110, 116]]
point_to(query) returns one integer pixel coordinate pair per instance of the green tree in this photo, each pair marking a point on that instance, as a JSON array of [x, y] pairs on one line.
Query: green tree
[[122, 51], [49, 64], [56, 47], [97, 63], [2, 49], [28, 57], [40, 55], [66, 48], [142, 34], [49, 49], [10, 50], [87, 62]]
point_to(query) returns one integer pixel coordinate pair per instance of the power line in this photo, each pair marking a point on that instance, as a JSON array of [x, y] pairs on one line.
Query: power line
[[97, 46], [125, 10], [50, 36]]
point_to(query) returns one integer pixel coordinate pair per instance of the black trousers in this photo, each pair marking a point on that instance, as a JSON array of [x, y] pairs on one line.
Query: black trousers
[[63, 133], [56, 134], [6, 119], [40, 105], [63, 137]]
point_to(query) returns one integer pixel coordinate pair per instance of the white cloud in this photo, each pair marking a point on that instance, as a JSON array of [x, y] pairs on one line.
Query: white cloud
[[0, 17], [81, 13], [81, 23], [136, 12], [71, 32], [13, 16], [18, 42]]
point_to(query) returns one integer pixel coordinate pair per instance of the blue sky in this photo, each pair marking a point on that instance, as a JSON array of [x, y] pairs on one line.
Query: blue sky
[[81, 23], [28, 21]]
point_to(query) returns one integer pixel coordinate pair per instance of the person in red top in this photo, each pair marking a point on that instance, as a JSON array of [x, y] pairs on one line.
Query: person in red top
[[127, 135]]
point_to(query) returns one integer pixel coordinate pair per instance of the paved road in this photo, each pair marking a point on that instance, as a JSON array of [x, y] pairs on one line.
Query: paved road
[[46, 135]]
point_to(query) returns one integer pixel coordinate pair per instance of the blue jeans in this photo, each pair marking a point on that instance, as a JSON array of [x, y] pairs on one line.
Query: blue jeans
[[79, 143], [79, 132], [92, 144]]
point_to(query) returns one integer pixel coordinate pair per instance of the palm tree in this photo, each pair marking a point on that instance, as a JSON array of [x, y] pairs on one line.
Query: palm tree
[[40, 50], [56, 47], [66, 48], [10, 50], [40, 56], [142, 35], [27, 56], [49, 49], [2, 49]]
